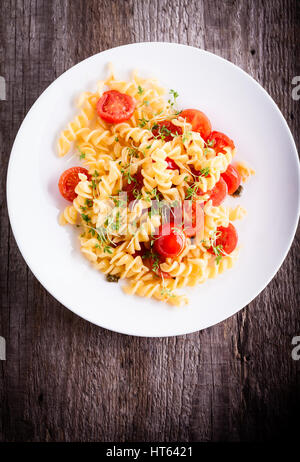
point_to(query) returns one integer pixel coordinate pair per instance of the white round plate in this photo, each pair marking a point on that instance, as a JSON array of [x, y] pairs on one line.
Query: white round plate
[[236, 105]]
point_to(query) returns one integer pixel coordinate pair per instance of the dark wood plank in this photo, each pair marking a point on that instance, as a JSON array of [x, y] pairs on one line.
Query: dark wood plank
[[67, 380]]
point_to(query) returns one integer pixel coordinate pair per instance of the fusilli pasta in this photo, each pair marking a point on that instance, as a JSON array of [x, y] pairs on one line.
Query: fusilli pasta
[[139, 170]]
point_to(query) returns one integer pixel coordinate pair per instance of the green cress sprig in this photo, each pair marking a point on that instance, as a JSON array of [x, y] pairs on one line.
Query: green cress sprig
[[192, 190]]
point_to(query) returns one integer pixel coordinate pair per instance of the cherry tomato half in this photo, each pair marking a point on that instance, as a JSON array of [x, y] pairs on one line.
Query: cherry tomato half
[[200, 123], [218, 141], [227, 239], [134, 187], [218, 193], [165, 129], [233, 178], [115, 107], [68, 181], [171, 164], [170, 242]]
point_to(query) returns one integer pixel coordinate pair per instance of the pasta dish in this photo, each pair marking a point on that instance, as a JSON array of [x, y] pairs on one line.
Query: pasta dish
[[148, 196]]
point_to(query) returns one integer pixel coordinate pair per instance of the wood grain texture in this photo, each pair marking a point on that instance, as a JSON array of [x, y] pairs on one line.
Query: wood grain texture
[[67, 380]]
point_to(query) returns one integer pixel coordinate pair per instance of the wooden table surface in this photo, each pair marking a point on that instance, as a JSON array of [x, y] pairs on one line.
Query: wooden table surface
[[67, 380]]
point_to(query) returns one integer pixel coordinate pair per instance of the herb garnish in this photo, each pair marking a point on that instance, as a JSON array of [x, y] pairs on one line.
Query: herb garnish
[[107, 249], [186, 136], [126, 173], [112, 278], [163, 132], [218, 252], [85, 217], [88, 202], [143, 122], [168, 292], [155, 260], [204, 171], [82, 154], [133, 152], [192, 190], [174, 96], [136, 194]]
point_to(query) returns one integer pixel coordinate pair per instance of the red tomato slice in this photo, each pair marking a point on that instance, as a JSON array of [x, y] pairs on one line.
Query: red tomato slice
[[227, 239], [170, 242], [218, 141], [200, 123], [139, 253], [165, 129], [218, 193], [69, 180], [134, 187], [115, 107], [233, 179], [171, 164]]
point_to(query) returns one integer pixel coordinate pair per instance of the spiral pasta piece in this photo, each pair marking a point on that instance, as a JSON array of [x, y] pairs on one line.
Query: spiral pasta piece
[[77, 125], [144, 233], [156, 290], [225, 263], [136, 134], [237, 213], [69, 215], [244, 170]]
